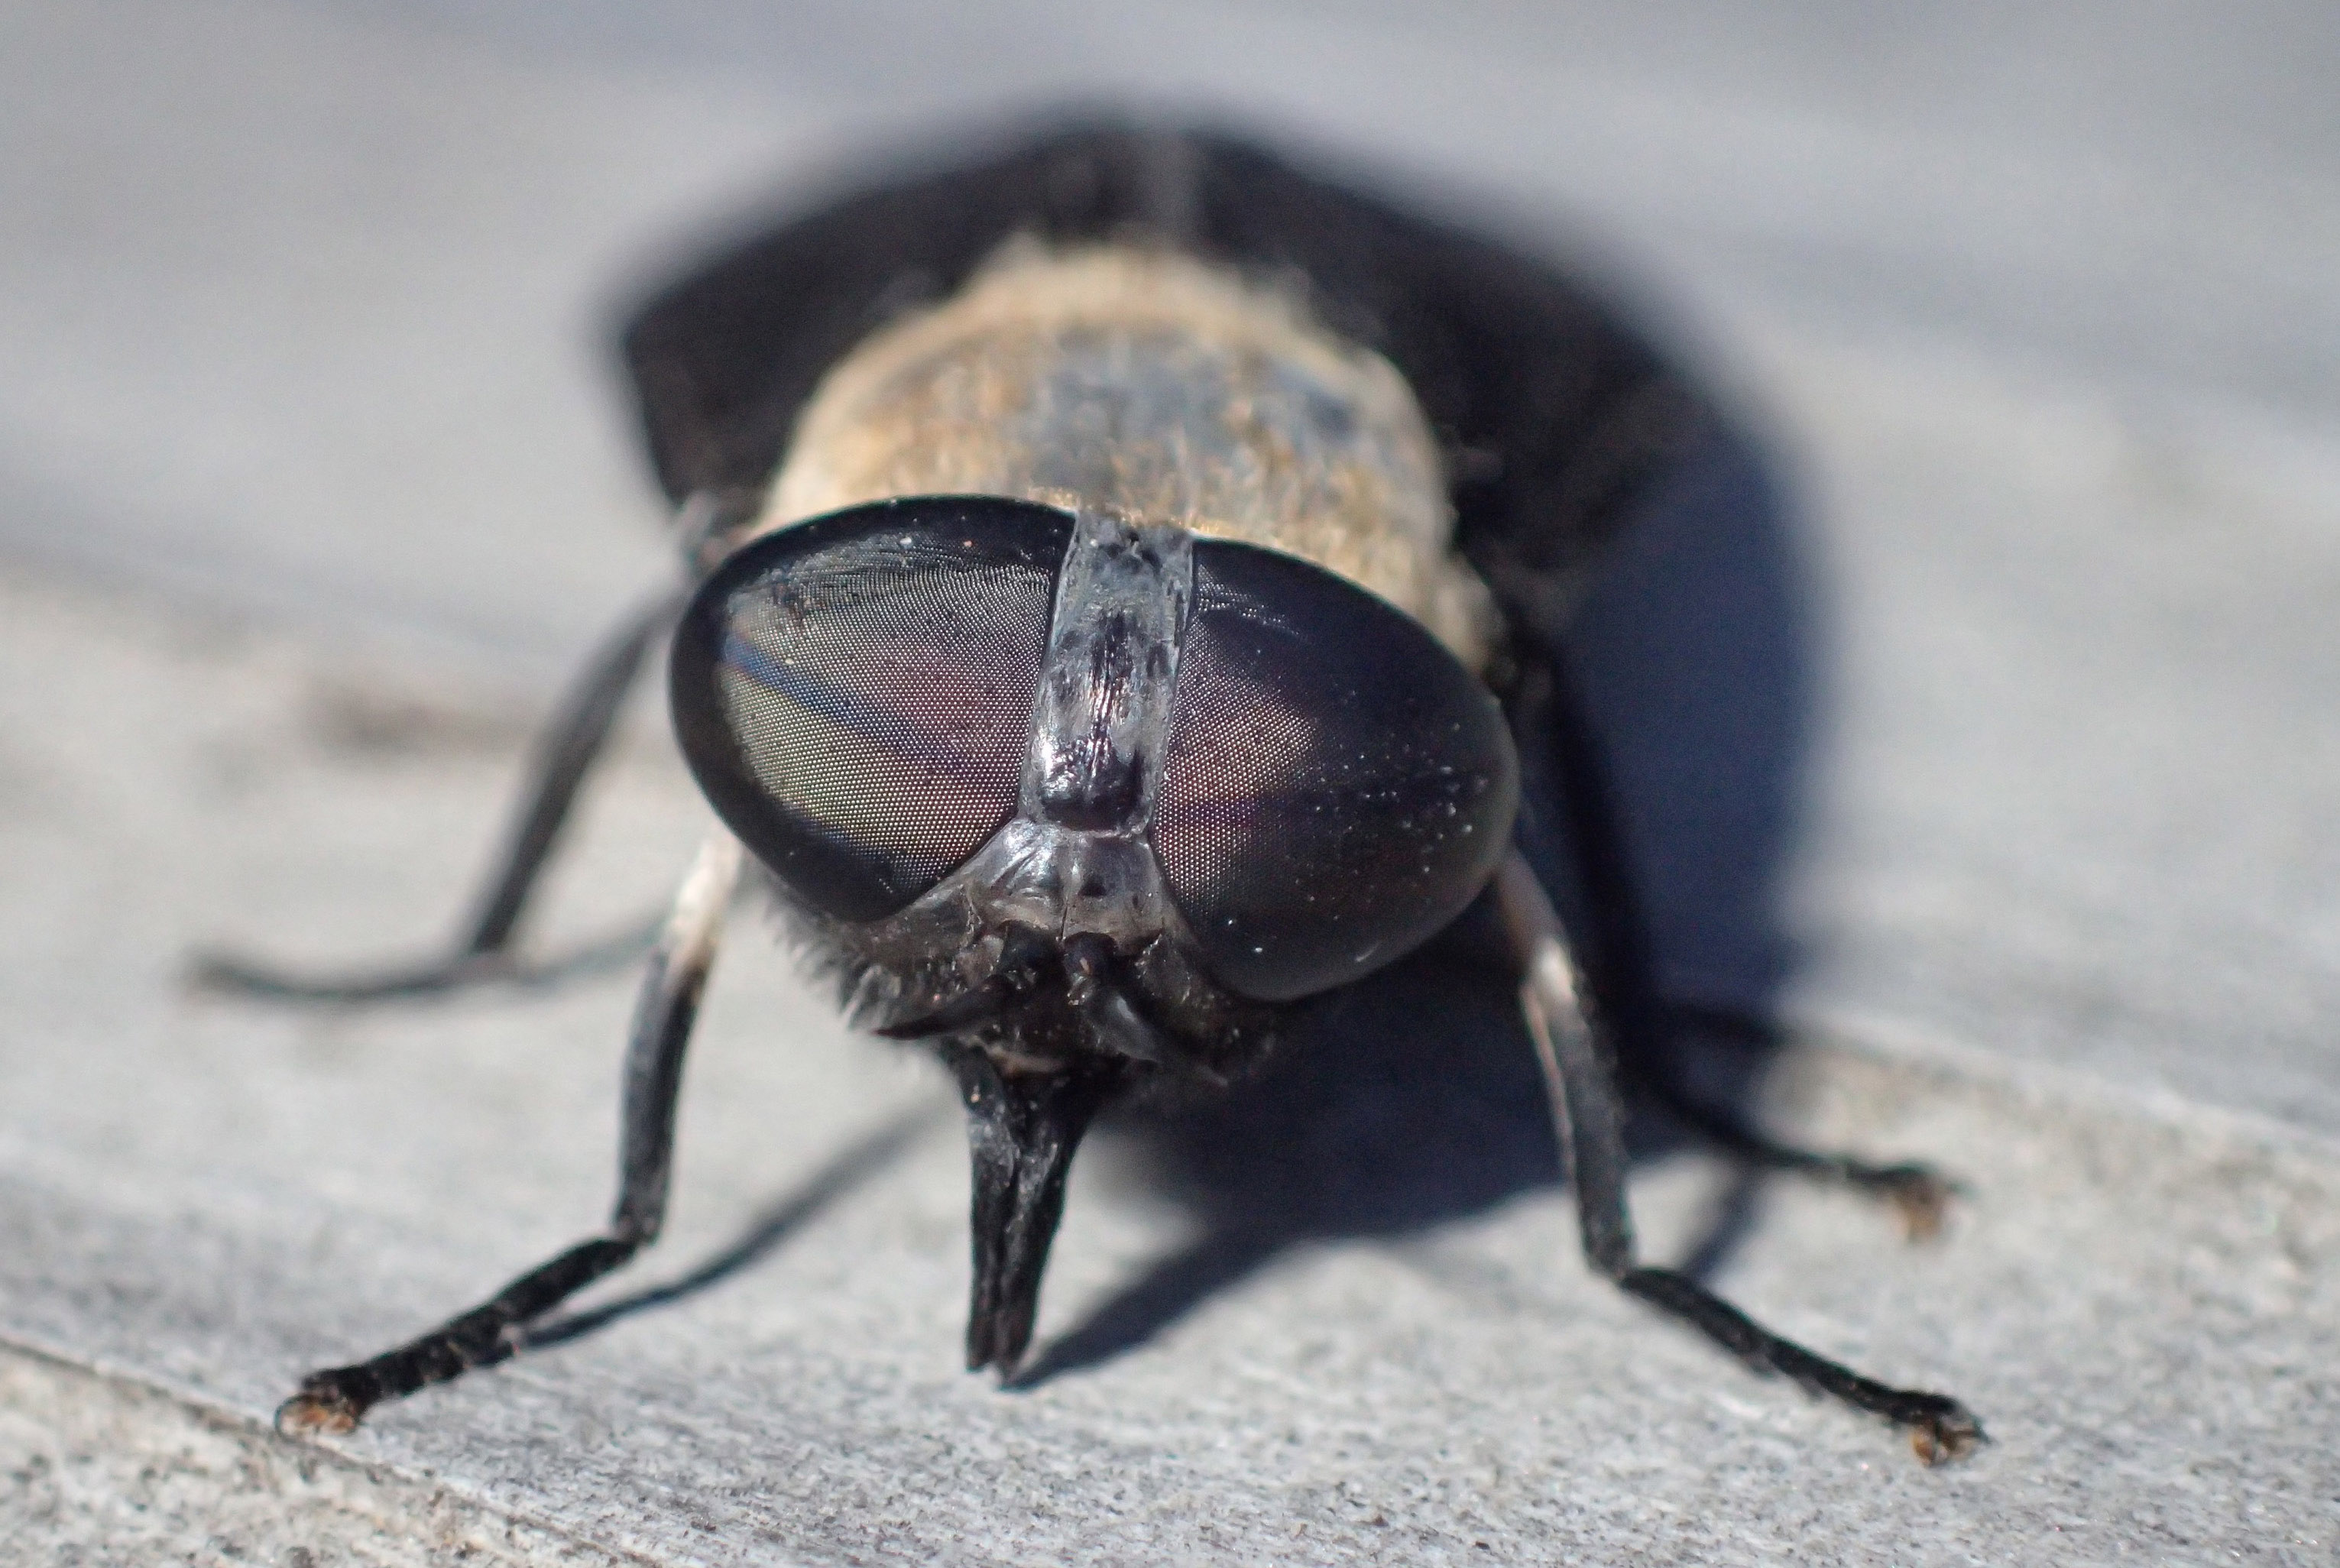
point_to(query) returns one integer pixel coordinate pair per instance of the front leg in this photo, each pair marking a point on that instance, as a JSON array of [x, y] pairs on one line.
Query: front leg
[[336, 1399], [1592, 1149]]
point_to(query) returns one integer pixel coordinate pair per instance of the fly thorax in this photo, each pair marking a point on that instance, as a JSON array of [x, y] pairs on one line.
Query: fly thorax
[[1148, 385]]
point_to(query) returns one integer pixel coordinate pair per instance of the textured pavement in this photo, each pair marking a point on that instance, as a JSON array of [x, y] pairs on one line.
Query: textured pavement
[[1977, 712]]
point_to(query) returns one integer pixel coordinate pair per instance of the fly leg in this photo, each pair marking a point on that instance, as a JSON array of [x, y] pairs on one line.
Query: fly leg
[[1592, 1149], [1621, 977], [1919, 1194], [564, 756], [336, 1399]]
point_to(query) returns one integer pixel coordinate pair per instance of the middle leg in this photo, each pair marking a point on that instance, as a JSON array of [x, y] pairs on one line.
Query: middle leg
[[565, 755]]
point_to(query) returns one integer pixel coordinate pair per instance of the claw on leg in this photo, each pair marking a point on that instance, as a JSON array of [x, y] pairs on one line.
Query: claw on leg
[[320, 1409], [1942, 1437], [1920, 1199]]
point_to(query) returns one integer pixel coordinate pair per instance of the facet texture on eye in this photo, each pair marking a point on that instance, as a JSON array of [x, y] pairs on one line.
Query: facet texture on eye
[[889, 715], [1336, 787], [858, 700]]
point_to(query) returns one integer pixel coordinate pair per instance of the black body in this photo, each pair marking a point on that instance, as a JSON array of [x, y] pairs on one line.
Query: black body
[[906, 875]]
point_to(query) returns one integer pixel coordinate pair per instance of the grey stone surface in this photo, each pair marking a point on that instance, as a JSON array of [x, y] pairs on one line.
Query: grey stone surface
[[103, 1470], [1386, 1351], [1979, 713]]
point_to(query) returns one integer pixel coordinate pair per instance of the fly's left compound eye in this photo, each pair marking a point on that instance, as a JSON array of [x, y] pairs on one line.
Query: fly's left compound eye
[[1336, 787], [855, 693]]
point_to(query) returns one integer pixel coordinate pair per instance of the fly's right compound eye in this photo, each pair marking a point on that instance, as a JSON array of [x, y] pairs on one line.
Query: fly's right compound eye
[[856, 693], [1336, 787]]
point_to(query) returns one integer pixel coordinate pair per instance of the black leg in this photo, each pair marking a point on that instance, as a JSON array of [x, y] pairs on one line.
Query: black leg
[[1021, 1132], [1919, 1194], [336, 1399], [464, 971], [1593, 1149], [1620, 972], [564, 756]]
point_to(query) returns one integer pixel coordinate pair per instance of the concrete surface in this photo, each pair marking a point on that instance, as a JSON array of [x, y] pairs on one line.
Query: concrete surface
[[311, 482]]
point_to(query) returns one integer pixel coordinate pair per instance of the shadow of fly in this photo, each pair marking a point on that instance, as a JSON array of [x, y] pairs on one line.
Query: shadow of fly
[[1123, 573]]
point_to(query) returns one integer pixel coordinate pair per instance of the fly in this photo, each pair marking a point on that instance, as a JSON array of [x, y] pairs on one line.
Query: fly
[[1124, 573]]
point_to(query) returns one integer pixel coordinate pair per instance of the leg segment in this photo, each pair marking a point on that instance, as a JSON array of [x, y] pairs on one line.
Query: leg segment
[[336, 1399], [563, 758], [464, 971], [1593, 1149], [565, 755], [1919, 1194], [1620, 972], [1021, 1131]]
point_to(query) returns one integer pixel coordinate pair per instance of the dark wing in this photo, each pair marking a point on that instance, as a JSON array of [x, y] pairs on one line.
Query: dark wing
[[724, 358], [1552, 411]]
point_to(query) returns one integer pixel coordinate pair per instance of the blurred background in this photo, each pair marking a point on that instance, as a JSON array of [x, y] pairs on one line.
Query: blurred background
[[1979, 705], [2028, 312]]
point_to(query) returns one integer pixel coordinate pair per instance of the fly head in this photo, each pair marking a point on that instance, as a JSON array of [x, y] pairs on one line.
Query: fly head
[[1067, 786], [1081, 802]]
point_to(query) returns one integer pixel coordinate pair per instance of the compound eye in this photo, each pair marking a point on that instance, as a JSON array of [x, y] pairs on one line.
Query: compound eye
[[855, 693], [1337, 787]]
